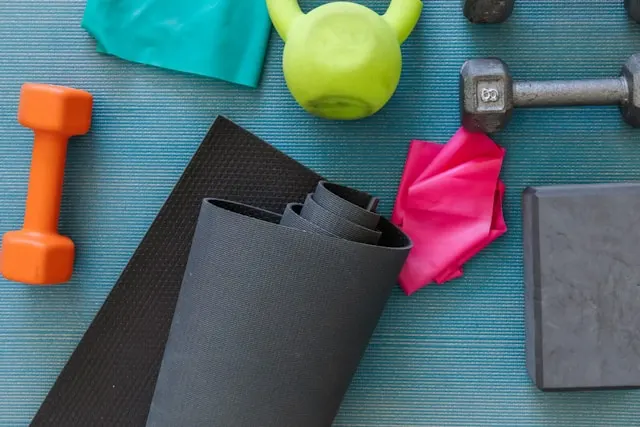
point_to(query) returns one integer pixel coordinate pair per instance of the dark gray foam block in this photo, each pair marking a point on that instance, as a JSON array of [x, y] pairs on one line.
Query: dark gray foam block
[[274, 314], [582, 285]]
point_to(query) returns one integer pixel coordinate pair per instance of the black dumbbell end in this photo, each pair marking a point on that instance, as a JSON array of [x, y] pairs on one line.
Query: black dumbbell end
[[633, 9], [486, 95], [487, 11], [630, 109]]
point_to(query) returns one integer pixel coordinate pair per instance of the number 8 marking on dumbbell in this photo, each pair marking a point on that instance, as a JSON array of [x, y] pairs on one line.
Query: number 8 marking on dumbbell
[[489, 95]]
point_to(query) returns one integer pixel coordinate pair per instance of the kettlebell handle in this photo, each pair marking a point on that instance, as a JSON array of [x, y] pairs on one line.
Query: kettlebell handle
[[402, 16]]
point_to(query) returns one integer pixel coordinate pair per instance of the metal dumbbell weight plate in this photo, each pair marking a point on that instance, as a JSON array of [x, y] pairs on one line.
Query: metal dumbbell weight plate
[[488, 93], [496, 11], [487, 11]]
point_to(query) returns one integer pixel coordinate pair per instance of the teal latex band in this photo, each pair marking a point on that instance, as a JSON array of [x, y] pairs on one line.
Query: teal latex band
[[224, 39]]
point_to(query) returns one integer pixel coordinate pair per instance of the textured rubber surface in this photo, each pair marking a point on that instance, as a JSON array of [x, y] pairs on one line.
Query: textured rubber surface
[[450, 355], [272, 320], [111, 376]]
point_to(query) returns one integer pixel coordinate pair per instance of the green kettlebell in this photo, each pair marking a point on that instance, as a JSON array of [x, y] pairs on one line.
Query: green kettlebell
[[342, 60]]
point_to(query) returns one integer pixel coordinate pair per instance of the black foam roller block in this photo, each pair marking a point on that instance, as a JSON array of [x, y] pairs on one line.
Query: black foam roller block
[[582, 285], [110, 378], [274, 315]]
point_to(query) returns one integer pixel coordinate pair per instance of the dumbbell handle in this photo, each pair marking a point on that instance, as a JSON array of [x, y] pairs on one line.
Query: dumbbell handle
[[45, 182], [570, 92]]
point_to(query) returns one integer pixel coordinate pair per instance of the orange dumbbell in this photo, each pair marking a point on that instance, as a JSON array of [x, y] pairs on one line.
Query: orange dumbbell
[[37, 254]]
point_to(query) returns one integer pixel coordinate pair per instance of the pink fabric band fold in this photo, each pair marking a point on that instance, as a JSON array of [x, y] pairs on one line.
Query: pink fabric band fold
[[450, 204]]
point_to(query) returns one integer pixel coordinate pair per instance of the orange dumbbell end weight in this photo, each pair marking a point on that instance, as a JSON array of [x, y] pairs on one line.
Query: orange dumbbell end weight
[[37, 254]]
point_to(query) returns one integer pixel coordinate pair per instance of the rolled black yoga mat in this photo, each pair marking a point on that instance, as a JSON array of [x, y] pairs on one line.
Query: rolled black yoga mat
[[275, 312], [111, 376]]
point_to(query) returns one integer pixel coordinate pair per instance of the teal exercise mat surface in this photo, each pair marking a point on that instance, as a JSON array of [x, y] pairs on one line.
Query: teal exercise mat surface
[[450, 355]]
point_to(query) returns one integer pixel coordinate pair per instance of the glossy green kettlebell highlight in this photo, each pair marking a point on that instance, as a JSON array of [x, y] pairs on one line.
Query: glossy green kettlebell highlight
[[342, 60]]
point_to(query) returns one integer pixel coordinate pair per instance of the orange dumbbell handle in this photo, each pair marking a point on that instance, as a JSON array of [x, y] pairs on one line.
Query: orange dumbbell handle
[[45, 182]]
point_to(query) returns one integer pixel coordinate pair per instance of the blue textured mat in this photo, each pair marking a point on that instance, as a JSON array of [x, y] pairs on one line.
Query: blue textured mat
[[451, 355]]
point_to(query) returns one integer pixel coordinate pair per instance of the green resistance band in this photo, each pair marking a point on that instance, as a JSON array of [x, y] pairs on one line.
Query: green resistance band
[[223, 39]]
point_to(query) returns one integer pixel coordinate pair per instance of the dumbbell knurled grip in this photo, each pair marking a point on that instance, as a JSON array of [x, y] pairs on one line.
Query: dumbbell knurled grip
[[570, 92]]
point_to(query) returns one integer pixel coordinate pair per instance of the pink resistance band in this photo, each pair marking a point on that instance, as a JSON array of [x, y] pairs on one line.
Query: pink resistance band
[[450, 204]]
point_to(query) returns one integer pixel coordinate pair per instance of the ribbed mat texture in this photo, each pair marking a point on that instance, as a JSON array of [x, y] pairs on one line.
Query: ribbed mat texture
[[450, 355]]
